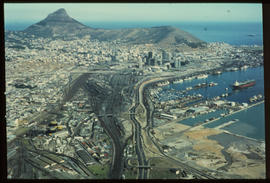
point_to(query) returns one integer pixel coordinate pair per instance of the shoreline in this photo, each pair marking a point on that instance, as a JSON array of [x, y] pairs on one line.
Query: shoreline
[[188, 127], [252, 105], [177, 120]]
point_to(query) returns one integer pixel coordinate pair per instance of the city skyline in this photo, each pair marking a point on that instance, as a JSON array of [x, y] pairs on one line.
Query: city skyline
[[211, 12], [159, 98]]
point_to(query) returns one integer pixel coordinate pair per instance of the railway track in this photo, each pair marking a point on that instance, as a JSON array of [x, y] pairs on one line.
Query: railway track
[[185, 166], [149, 117]]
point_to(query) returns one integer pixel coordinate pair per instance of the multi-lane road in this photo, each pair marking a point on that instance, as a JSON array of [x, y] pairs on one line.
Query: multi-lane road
[[197, 173], [143, 164], [111, 104]]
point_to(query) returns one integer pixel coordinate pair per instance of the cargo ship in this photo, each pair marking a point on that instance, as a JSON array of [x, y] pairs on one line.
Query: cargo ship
[[245, 84]]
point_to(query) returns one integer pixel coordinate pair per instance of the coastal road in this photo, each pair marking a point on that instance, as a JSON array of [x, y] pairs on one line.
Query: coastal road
[[149, 123], [143, 172]]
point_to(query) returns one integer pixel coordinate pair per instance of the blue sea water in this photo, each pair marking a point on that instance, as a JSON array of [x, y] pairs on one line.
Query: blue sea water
[[17, 26], [251, 121], [234, 33], [225, 80], [202, 118]]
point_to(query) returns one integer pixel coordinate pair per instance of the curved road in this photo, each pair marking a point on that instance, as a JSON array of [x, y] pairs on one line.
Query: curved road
[[138, 143], [185, 166]]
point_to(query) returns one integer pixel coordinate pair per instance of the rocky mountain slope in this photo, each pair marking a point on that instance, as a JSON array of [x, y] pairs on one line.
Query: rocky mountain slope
[[59, 24]]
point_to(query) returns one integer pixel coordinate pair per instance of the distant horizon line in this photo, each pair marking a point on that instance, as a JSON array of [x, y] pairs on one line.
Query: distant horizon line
[[143, 21], [21, 25]]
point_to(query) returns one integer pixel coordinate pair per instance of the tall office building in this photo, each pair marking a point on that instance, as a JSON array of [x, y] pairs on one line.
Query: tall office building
[[149, 58], [166, 56], [153, 62], [150, 55]]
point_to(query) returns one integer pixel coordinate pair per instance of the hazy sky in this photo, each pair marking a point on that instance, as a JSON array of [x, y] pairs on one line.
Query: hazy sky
[[15, 12]]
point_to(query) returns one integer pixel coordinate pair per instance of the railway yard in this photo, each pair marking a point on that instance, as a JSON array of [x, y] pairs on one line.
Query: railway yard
[[122, 120]]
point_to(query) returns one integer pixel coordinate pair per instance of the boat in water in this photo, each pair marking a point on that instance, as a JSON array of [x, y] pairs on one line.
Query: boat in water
[[202, 76], [200, 85], [188, 78], [178, 81], [245, 84], [212, 84], [217, 73]]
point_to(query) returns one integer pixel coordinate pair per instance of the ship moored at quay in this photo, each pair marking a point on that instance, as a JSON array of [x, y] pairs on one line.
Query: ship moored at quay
[[245, 84]]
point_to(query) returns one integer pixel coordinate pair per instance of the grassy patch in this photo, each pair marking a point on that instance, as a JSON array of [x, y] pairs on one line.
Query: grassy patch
[[162, 173], [161, 169], [100, 171], [130, 174]]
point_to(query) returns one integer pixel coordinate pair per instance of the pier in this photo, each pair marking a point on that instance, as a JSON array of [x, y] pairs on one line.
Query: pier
[[252, 105], [225, 124]]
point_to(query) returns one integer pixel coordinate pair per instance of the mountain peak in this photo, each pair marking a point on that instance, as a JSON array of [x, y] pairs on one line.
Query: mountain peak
[[59, 15], [60, 11], [58, 23]]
